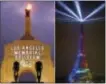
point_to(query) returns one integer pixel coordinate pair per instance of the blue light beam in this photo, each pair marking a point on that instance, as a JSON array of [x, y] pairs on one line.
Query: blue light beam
[[66, 20], [68, 9], [77, 5], [95, 19], [65, 14], [95, 11], [79, 17]]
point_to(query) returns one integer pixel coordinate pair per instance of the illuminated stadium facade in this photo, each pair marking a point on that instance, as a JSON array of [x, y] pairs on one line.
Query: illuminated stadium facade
[[27, 51]]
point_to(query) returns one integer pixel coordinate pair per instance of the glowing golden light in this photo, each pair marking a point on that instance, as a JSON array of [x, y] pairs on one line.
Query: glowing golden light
[[29, 7], [38, 57]]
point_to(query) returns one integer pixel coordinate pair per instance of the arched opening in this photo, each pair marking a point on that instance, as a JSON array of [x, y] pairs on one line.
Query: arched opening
[[27, 77]]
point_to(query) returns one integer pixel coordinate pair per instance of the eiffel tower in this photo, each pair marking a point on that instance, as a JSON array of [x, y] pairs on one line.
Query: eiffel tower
[[80, 71]]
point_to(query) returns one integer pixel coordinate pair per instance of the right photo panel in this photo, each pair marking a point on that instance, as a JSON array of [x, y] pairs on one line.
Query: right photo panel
[[80, 41]]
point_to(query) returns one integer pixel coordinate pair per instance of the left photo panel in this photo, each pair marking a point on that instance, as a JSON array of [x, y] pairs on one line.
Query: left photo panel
[[27, 42]]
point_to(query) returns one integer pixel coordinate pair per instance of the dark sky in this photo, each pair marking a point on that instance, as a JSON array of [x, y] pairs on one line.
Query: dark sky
[[12, 22], [67, 40]]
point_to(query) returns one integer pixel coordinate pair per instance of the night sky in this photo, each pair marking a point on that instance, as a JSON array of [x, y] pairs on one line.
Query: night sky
[[67, 40], [42, 18]]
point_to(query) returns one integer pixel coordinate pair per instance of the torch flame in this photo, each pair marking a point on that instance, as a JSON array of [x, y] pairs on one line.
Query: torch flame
[[29, 7]]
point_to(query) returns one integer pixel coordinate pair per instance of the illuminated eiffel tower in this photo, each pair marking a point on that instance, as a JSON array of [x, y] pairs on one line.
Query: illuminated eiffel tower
[[81, 72]]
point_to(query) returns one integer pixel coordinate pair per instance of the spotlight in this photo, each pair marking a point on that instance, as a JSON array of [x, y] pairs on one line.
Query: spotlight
[[94, 19], [78, 9], [68, 9], [81, 20], [95, 11], [66, 19], [79, 17], [65, 14]]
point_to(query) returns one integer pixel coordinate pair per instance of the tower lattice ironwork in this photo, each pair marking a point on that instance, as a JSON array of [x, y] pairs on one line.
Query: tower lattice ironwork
[[80, 71]]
